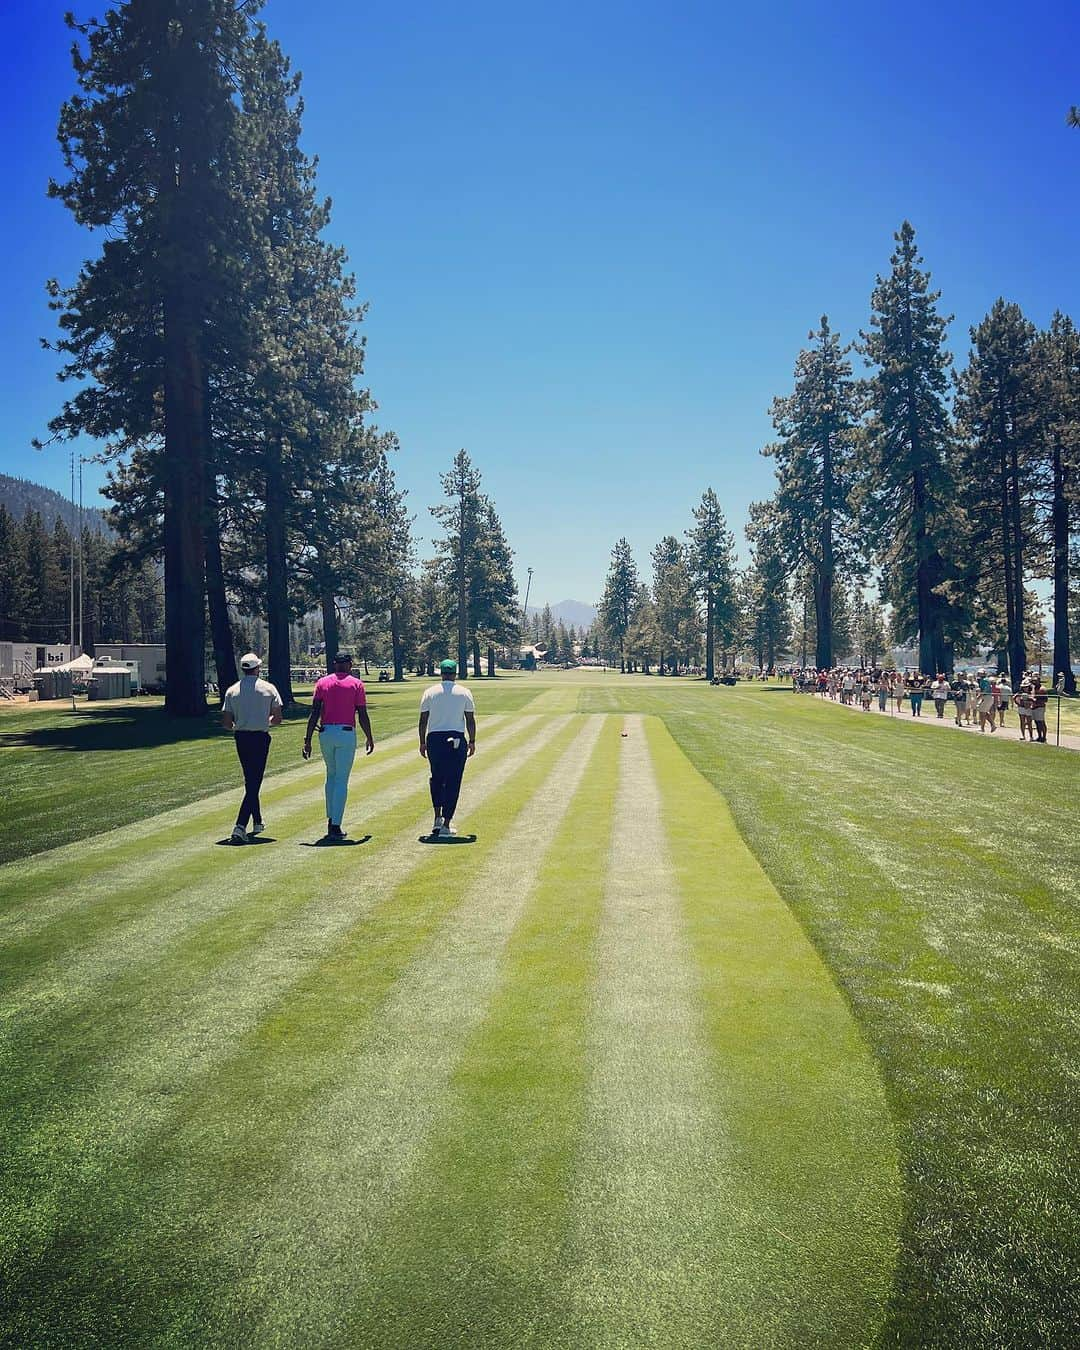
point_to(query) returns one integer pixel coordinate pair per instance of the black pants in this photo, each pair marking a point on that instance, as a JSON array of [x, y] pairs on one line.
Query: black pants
[[447, 766], [252, 747]]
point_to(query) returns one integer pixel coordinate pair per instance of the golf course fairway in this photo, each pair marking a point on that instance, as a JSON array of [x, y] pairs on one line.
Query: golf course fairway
[[583, 1082]]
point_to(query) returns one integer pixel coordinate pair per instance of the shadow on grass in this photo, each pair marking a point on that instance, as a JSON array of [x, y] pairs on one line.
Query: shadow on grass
[[327, 842], [230, 843], [451, 839], [123, 728]]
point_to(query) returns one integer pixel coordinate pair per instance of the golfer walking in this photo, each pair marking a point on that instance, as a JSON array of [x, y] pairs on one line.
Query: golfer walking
[[338, 703], [250, 708], [447, 738]]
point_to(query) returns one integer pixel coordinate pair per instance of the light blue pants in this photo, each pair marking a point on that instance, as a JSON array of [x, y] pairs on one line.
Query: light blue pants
[[338, 746]]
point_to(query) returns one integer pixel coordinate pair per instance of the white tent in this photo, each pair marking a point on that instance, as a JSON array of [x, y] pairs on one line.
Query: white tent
[[79, 665]]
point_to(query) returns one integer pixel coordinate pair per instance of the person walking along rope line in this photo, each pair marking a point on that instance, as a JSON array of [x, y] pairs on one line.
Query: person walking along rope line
[[250, 708], [447, 713], [339, 700]]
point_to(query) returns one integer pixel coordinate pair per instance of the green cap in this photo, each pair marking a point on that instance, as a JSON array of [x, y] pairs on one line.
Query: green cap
[[447, 667]]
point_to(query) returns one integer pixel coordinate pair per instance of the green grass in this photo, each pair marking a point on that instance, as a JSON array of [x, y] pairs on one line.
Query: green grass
[[287, 1096], [816, 1163], [936, 874], [474, 1251], [68, 774]]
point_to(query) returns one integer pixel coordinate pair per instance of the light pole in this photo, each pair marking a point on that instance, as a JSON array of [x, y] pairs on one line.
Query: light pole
[[525, 607]]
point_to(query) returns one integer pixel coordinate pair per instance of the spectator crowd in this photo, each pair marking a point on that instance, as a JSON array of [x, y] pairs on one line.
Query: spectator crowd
[[981, 699]]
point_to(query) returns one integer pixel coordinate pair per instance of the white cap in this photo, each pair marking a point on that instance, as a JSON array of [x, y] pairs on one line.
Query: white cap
[[249, 661]]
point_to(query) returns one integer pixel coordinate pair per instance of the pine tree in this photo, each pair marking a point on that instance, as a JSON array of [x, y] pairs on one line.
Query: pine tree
[[493, 613], [844, 622], [870, 632], [460, 519], [804, 634], [149, 144], [1055, 377], [546, 633], [818, 424], [712, 566], [13, 578], [620, 594], [908, 495], [998, 418], [395, 552], [435, 602], [770, 620], [312, 461], [676, 606], [642, 635], [45, 617]]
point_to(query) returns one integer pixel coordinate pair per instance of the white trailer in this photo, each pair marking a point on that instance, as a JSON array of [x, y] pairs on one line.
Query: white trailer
[[149, 656]]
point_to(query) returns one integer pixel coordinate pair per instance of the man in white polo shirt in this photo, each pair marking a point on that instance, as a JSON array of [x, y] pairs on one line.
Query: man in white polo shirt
[[447, 738], [251, 707]]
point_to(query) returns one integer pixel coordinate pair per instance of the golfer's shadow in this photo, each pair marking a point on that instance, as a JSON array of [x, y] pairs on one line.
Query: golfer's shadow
[[327, 842], [447, 839], [257, 839]]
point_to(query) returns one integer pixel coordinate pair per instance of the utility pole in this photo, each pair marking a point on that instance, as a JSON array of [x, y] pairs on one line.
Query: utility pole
[[71, 566], [525, 607], [80, 558]]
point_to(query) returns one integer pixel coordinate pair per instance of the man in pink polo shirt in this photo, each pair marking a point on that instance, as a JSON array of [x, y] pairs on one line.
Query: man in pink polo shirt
[[339, 701]]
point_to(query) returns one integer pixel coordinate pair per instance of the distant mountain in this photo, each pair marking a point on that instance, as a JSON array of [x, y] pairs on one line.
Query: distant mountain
[[573, 613], [18, 494]]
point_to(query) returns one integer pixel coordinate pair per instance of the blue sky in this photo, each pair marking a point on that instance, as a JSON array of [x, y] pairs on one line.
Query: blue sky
[[593, 236]]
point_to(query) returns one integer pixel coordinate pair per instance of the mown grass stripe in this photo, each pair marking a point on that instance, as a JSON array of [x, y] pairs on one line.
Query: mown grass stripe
[[117, 927], [807, 1244], [362, 1141], [564, 700], [36, 890], [175, 1018], [154, 1217], [473, 1254], [654, 1174]]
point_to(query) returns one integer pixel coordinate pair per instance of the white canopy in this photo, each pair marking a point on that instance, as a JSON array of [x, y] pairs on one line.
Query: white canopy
[[78, 665]]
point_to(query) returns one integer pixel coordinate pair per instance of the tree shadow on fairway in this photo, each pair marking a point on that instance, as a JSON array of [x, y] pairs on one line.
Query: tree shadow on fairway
[[327, 842], [451, 839], [129, 727]]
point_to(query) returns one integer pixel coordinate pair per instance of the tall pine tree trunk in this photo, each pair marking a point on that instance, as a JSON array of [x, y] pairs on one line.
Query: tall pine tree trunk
[[931, 640], [1059, 517], [476, 656], [395, 642], [710, 637], [277, 587], [823, 590], [216, 601], [1004, 524], [331, 635], [1017, 642], [183, 461], [462, 595], [491, 659]]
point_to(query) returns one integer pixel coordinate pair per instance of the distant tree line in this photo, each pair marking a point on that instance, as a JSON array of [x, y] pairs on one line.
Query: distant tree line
[[698, 607], [121, 597], [215, 343], [950, 492], [955, 491]]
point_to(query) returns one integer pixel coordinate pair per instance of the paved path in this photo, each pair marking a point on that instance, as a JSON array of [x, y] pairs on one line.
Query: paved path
[[1009, 732]]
